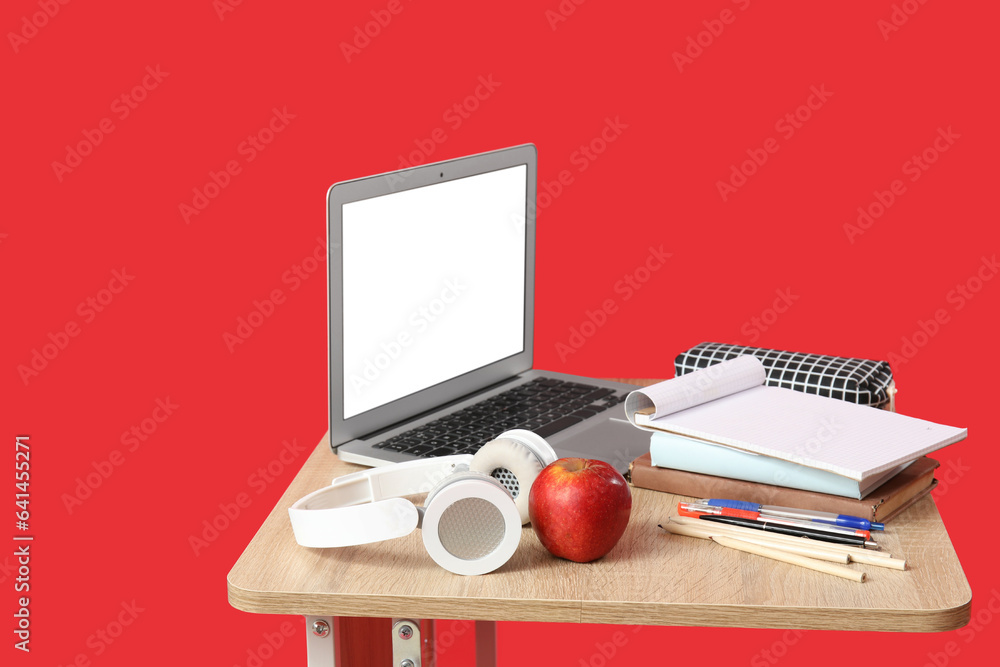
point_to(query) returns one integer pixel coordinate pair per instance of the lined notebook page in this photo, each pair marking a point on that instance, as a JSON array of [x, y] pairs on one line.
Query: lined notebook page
[[701, 386], [852, 440]]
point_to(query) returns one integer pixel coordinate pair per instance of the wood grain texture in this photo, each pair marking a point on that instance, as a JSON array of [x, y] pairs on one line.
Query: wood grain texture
[[649, 578]]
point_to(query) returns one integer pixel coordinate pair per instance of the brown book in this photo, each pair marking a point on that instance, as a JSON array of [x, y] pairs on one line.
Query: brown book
[[882, 504]]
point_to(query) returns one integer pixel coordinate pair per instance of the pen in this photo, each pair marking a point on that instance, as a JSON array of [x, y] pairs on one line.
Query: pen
[[694, 509], [781, 529], [807, 515]]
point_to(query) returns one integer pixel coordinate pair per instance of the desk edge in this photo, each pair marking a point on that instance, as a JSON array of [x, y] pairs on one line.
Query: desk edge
[[612, 613]]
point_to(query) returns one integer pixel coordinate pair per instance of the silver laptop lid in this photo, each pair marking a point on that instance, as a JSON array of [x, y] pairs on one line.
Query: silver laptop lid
[[431, 286]]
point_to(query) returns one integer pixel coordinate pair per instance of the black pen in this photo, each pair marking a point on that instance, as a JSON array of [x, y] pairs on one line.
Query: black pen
[[784, 529]]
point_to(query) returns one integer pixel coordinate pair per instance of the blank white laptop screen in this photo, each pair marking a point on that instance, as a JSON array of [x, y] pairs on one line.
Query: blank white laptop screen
[[433, 285]]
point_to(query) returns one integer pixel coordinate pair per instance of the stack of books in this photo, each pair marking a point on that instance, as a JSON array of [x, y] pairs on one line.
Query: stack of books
[[881, 504], [720, 432]]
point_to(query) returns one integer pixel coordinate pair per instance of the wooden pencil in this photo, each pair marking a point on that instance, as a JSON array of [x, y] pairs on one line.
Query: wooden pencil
[[793, 559], [802, 550]]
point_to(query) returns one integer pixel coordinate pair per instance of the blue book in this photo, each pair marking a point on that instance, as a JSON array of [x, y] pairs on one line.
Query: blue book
[[668, 450]]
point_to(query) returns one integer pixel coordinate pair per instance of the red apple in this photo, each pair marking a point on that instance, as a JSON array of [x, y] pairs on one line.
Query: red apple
[[579, 508]]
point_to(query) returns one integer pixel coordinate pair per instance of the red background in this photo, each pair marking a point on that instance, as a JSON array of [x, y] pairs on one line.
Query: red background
[[558, 83]]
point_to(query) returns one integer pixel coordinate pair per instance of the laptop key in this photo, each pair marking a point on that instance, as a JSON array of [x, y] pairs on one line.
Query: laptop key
[[599, 393], [579, 385], [583, 412], [440, 451], [558, 425], [419, 449]]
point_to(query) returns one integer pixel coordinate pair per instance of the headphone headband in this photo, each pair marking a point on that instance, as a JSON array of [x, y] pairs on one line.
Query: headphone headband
[[474, 508], [365, 506], [398, 479]]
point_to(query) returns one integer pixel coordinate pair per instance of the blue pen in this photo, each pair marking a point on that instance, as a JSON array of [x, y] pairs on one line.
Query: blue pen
[[809, 515]]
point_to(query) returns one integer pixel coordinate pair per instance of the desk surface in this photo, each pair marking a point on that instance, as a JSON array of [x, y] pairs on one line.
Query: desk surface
[[649, 578]]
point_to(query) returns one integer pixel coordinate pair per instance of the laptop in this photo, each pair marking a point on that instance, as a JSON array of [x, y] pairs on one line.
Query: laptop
[[431, 314]]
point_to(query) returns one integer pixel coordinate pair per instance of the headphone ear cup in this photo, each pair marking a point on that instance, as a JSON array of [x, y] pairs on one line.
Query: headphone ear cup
[[514, 465], [470, 526], [536, 443]]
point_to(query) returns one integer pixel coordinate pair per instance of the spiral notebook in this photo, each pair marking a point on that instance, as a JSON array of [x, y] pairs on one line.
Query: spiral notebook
[[728, 404]]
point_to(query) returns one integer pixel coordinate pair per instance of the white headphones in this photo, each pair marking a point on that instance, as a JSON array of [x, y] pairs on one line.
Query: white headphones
[[472, 517]]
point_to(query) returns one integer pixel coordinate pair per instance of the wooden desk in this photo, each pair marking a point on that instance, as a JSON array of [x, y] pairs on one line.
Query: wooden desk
[[649, 578]]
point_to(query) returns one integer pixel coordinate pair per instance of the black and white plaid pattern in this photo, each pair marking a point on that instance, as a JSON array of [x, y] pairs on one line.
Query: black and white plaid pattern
[[860, 381]]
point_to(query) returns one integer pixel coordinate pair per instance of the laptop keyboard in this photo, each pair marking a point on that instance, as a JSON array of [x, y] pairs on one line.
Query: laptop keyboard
[[544, 405]]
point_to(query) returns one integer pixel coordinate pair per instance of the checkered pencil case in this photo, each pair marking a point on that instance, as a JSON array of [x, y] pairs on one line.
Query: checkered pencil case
[[860, 381]]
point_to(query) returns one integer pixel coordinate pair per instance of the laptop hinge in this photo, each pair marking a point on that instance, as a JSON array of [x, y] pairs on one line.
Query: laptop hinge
[[439, 408]]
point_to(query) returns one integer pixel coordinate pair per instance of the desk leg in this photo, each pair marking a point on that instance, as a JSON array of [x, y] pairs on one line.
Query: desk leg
[[428, 655], [359, 642], [319, 641], [486, 644], [356, 642]]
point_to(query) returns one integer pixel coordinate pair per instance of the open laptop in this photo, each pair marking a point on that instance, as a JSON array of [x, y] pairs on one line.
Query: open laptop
[[431, 313]]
